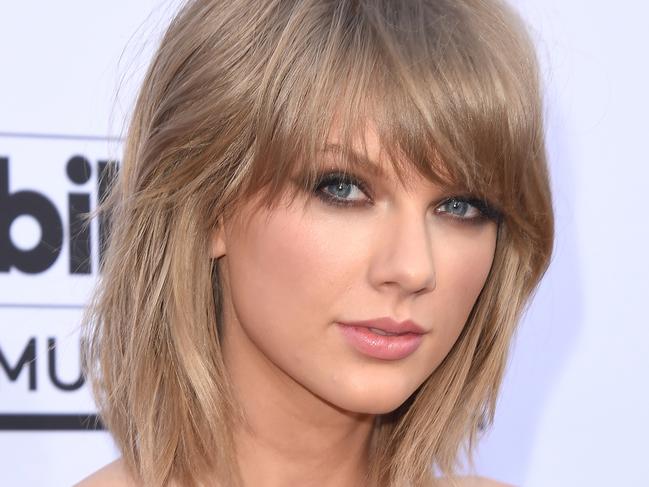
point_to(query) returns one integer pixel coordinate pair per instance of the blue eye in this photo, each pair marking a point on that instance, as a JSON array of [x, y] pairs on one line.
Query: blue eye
[[459, 208], [341, 189], [466, 209]]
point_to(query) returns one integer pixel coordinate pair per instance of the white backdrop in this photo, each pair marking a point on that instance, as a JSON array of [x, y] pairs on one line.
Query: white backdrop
[[573, 409]]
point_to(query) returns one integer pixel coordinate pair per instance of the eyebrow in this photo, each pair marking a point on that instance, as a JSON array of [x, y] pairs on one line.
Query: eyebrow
[[357, 159]]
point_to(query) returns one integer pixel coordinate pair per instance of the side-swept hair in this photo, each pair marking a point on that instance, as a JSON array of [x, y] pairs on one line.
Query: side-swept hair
[[240, 94]]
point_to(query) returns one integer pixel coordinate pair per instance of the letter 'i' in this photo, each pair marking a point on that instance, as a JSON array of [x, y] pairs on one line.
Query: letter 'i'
[[78, 169]]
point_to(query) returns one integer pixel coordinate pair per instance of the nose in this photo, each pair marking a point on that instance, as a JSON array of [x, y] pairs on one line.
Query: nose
[[404, 255]]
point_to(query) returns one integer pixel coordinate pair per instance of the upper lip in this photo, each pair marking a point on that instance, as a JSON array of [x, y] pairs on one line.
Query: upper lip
[[388, 325]]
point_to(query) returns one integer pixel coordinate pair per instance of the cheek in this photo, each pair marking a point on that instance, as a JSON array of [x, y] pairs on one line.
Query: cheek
[[463, 262], [285, 271]]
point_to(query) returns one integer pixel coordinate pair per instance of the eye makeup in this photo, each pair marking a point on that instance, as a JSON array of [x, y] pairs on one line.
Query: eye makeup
[[335, 187], [340, 181], [479, 209]]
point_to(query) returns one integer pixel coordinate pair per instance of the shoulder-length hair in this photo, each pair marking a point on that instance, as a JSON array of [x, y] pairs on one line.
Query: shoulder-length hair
[[239, 95]]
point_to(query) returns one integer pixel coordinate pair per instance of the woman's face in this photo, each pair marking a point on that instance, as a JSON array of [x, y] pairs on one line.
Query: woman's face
[[291, 275]]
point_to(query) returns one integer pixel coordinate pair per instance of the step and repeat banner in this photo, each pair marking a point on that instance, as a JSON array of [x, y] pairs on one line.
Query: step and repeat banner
[[48, 263], [573, 406], [68, 74]]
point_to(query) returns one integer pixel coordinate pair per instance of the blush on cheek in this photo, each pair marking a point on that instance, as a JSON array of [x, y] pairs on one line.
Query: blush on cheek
[[467, 258], [286, 259], [462, 268]]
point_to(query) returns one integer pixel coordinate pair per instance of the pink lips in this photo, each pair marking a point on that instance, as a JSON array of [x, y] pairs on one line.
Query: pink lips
[[387, 347]]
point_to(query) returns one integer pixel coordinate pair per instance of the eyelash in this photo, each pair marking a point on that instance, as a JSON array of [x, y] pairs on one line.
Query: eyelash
[[486, 211]]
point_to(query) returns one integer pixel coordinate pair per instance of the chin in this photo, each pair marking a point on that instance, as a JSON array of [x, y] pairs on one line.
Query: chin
[[370, 405], [381, 400]]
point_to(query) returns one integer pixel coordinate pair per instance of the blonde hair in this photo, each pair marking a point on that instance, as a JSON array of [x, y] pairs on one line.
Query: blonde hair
[[239, 94]]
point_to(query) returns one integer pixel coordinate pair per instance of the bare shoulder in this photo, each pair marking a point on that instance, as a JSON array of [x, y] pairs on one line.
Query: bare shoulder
[[115, 474], [472, 481]]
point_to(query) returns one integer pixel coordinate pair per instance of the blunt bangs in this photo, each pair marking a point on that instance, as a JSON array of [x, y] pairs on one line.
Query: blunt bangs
[[442, 99]]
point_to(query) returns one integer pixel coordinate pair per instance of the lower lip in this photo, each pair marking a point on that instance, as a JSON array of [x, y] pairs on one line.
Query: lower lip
[[386, 347]]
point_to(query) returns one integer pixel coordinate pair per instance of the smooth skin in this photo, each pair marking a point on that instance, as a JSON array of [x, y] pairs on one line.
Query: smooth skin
[[289, 275]]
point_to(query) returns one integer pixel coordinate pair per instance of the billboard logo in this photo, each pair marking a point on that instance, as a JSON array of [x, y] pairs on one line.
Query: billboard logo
[[49, 258], [37, 205]]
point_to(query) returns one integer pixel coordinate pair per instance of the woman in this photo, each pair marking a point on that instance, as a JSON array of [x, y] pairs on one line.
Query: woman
[[328, 220]]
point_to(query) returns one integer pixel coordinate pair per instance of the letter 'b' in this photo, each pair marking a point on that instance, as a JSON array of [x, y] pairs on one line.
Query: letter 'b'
[[13, 205]]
